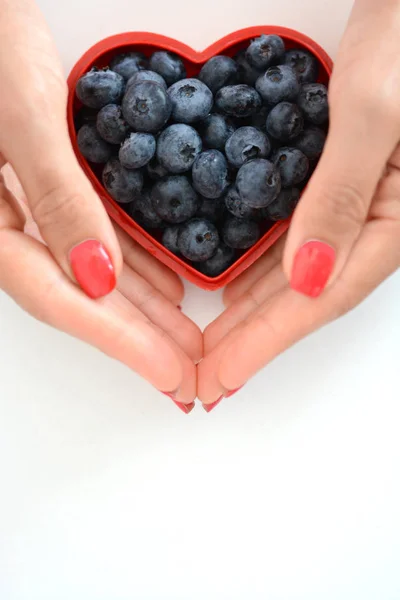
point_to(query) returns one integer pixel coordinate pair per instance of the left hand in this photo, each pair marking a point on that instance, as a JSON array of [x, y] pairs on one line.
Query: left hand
[[345, 236], [139, 323]]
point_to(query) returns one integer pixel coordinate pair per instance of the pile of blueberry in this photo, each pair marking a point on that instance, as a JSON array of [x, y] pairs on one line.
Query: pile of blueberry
[[206, 164]]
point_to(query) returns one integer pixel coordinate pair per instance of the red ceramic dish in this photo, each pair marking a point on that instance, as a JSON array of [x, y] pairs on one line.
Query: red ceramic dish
[[101, 54]]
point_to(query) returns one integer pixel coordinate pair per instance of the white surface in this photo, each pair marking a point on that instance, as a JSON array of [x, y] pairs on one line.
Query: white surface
[[288, 491]]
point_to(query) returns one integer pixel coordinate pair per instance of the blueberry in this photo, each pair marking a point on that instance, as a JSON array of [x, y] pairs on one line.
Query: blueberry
[[143, 213], [129, 63], [236, 206], [124, 185], [174, 199], [218, 72], [246, 72], [246, 144], [155, 171], [293, 166], [137, 150], [265, 51], [285, 122], [177, 148], [97, 88], [191, 100], [198, 240], [211, 209], [258, 183], [313, 101], [240, 233], [146, 76], [216, 130], [311, 142], [238, 100], [284, 205], [210, 174], [146, 106], [304, 63], [168, 65], [223, 258], [92, 146], [278, 84], [170, 238], [111, 125]]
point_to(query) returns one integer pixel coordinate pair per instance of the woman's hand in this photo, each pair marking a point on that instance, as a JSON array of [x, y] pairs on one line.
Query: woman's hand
[[34, 139], [344, 239], [139, 324]]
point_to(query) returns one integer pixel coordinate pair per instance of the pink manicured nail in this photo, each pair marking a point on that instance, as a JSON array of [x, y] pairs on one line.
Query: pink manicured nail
[[232, 392], [93, 268], [312, 268], [186, 408], [209, 407]]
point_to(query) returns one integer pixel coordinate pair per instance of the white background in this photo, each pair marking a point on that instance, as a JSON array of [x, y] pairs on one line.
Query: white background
[[288, 491]]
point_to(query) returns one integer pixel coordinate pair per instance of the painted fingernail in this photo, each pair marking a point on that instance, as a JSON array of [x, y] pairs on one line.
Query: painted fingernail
[[209, 407], [93, 268], [186, 408], [312, 268], [179, 307], [232, 392]]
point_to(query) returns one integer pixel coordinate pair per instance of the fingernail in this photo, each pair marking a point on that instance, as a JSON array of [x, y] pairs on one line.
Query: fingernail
[[179, 307], [312, 268], [209, 407], [232, 392], [186, 408], [93, 268]]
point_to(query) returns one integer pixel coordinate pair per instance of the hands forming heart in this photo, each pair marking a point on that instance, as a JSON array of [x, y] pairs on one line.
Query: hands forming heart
[[344, 239]]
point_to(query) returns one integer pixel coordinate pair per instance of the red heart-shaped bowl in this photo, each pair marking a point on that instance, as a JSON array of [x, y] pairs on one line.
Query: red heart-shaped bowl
[[101, 54]]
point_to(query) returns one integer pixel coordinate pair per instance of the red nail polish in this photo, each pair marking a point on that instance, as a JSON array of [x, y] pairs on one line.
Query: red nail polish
[[186, 408], [232, 392], [209, 407], [93, 268], [312, 267], [179, 307]]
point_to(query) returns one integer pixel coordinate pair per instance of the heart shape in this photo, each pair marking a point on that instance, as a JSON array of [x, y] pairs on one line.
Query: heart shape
[[100, 55]]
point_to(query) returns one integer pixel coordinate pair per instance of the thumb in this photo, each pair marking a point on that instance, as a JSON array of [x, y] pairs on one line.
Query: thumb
[[69, 214], [335, 205], [34, 139]]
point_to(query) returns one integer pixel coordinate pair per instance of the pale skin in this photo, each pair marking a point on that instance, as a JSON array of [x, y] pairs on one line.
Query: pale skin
[[352, 204]]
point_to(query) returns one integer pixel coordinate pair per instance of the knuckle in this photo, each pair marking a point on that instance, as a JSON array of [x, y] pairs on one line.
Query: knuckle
[[57, 205], [45, 306], [347, 202]]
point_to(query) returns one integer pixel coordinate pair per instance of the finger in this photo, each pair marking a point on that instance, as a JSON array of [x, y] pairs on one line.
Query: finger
[[146, 265], [34, 139], [29, 274], [259, 269], [244, 307], [185, 394], [162, 312], [11, 214], [364, 130]]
